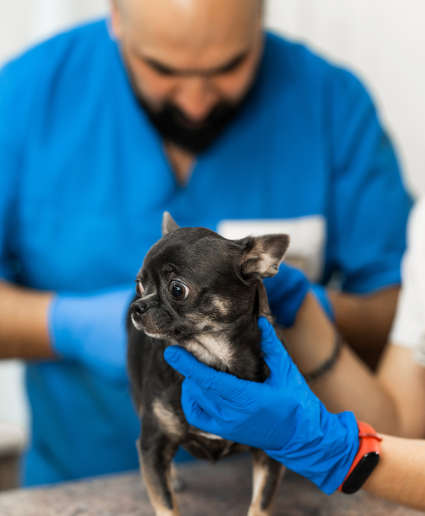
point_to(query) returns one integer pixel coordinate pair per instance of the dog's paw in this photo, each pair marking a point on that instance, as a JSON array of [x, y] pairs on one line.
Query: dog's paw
[[255, 511]]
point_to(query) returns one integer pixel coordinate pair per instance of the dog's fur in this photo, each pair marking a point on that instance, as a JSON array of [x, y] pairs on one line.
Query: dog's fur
[[219, 298]]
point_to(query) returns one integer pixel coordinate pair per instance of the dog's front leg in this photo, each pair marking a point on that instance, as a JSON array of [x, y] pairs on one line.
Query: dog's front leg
[[156, 452], [266, 475]]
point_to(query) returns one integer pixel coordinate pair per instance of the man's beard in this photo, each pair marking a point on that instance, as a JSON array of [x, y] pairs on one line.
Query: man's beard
[[175, 127]]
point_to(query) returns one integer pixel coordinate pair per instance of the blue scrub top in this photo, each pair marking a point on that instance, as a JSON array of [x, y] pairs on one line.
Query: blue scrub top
[[84, 181]]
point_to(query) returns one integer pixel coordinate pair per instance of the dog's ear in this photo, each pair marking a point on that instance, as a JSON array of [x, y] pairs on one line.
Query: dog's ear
[[262, 255], [168, 224]]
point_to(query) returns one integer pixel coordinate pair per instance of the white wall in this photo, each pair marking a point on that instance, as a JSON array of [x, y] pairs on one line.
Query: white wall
[[23, 22], [382, 40]]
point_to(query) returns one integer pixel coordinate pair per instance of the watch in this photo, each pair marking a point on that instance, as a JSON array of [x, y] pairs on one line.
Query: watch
[[365, 461]]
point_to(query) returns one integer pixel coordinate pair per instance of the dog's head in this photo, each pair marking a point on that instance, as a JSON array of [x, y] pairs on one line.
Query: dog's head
[[195, 283]]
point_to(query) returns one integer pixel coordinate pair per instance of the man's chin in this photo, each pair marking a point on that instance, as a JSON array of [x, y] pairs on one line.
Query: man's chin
[[192, 136]]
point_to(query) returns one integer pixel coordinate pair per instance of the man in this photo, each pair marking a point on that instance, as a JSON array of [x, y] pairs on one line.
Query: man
[[188, 107], [286, 419]]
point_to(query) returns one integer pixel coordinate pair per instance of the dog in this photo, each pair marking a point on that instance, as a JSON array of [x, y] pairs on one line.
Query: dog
[[204, 293]]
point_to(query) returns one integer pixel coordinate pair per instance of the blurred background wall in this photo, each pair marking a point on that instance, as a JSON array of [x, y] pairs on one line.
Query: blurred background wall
[[382, 41]]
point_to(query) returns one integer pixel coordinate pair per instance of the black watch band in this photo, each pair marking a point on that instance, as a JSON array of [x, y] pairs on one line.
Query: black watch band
[[360, 473]]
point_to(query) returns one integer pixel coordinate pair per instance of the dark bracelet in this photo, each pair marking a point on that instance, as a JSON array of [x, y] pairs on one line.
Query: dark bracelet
[[329, 363]]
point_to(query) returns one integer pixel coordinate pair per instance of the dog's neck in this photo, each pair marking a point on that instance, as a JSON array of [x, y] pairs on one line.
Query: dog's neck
[[236, 351], [212, 348]]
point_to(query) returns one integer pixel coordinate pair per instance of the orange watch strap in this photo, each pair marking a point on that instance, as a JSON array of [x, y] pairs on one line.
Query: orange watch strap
[[369, 441]]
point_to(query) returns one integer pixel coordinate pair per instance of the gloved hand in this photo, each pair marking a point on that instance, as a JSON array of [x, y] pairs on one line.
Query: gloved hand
[[322, 296], [282, 416], [91, 329], [286, 292]]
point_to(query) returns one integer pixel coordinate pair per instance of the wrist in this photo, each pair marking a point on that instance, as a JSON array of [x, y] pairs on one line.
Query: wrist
[[337, 449], [311, 341], [365, 460], [328, 364], [326, 457], [62, 325]]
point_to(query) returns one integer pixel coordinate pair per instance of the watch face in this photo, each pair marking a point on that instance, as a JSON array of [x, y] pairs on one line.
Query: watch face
[[360, 473]]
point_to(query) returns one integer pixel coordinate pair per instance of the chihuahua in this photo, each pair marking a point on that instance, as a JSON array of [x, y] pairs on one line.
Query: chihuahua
[[204, 293]]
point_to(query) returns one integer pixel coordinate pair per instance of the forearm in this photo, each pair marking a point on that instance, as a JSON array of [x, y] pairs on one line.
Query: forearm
[[349, 385], [400, 474], [23, 323], [365, 321]]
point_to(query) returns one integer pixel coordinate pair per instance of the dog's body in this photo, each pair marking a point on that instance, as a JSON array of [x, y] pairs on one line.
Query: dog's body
[[203, 292]]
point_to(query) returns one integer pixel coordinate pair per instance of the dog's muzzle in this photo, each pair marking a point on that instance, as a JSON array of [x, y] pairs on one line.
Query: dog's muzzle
[[146, 316], [138, 309]]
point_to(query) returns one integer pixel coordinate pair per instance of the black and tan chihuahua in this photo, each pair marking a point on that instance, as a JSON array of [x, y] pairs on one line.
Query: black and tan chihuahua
[[204, 293]]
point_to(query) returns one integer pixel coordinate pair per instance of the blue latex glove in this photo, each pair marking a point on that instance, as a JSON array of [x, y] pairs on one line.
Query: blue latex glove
[[322, 296], [91, 329], [286, 292], [282, 416]]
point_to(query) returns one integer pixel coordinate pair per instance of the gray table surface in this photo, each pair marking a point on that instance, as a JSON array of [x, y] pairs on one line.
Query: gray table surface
[[221, 489]]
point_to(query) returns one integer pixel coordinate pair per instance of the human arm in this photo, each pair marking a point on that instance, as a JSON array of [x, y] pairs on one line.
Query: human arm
[[365, 320], [88, 328], [23, 323]]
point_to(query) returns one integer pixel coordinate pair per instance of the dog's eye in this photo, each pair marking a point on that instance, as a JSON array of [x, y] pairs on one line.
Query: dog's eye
[[178, 290], [139, 288]]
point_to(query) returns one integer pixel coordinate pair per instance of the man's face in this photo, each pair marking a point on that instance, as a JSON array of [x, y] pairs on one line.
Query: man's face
[[190, 62]]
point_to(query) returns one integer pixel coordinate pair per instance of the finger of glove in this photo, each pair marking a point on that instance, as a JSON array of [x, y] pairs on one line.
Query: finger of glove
[[221, 410], [286, 292], [275, 355], [208, 378], [209, 401], [195, 413]]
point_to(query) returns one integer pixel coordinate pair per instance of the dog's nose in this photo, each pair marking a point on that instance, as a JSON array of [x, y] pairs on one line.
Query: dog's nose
[[139, 308]]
